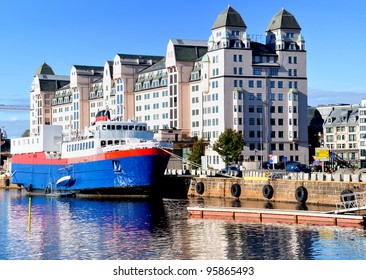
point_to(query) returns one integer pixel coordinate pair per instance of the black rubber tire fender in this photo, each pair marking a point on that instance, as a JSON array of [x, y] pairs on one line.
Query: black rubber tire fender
[[347, 198], [301, 194], [235, 190], [267, 191], [200, 188]]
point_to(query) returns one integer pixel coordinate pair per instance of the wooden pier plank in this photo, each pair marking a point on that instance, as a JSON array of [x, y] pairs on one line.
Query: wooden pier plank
[[276, 216]]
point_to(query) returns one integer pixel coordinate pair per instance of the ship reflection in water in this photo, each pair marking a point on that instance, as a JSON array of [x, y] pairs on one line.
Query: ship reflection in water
[[133, 229]]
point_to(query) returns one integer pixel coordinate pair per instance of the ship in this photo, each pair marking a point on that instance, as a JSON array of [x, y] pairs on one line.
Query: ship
[[110, 158]]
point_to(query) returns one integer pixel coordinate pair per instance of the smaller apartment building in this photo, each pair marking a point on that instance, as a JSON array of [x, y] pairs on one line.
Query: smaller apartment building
[[342, 133], [362, 133]]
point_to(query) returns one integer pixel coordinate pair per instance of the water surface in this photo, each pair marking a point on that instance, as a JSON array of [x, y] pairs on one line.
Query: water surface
[[143, 229]]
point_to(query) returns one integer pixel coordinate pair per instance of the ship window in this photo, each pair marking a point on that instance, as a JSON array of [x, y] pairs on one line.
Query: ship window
[[125, 127], [92, 145], [104, 127], [130, 127], [136, 127], [83, 146], [102, 143], [110, 142], [144, 128], [118, 127], [108, 127], [113, 127], [123, 142], [116, 142]]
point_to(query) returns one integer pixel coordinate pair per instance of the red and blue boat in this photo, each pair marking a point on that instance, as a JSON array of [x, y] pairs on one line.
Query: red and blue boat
[[112, 158]]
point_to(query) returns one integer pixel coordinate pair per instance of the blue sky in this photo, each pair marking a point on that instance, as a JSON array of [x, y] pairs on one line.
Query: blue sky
[[63, 33]]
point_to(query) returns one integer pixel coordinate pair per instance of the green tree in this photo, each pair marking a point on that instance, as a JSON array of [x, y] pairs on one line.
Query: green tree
[[198, 150], [229, 145], [26, 133]]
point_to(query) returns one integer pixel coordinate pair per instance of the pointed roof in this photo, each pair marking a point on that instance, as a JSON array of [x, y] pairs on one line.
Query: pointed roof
[[283, 20], [229, 17], [44, 69]]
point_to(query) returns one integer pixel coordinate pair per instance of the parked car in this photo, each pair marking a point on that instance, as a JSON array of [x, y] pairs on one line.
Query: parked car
[[232, 171], [294, 166], [267, 165]]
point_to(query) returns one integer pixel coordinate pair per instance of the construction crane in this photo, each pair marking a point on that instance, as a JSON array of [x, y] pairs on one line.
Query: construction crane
[[14, 107]]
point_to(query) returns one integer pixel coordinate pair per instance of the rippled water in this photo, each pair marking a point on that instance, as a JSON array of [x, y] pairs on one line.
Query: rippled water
[[74, 228]]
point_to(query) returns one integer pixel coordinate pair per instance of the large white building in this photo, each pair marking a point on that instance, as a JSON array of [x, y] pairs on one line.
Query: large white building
[[200, 88], [257, 89]]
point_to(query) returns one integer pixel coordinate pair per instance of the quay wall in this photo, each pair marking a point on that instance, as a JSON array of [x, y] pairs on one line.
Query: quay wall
[[318, 192]]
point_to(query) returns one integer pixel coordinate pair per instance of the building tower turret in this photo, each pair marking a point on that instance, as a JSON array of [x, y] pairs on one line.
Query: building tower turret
[[227, 30], [283, 32]]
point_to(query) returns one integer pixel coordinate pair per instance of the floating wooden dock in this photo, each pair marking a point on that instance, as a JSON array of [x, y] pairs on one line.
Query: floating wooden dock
[[277, 216]]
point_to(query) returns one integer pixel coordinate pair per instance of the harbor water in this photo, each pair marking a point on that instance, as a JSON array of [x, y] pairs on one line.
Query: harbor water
[[46, 228]]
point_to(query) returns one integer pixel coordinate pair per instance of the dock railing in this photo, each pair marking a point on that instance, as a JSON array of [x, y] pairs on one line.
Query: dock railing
[[350, 202]]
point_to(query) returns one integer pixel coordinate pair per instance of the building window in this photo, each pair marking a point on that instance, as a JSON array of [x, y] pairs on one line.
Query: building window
[[257, 71], [273, 72]]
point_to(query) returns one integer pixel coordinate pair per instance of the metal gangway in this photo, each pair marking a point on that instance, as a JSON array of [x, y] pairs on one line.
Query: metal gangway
[[350, 202]]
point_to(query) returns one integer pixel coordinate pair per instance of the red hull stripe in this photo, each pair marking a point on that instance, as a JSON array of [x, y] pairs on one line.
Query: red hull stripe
[[40, 158]]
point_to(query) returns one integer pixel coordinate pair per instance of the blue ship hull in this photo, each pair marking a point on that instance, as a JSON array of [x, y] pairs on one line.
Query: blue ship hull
[[116, 175]]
